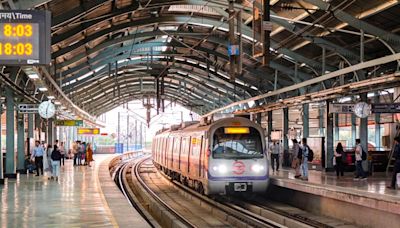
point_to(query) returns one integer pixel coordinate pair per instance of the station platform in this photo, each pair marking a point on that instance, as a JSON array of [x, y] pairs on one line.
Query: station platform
[[326, 194], [81, 198]]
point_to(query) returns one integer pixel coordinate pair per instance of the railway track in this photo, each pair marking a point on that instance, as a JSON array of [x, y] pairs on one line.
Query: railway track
[[154, 193]]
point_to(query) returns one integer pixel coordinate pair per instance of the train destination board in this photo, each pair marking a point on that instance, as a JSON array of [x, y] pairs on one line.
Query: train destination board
[[25, 37]]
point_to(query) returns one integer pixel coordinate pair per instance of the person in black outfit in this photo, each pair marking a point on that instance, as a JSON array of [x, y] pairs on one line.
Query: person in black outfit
[[339, 157], [396, 168]]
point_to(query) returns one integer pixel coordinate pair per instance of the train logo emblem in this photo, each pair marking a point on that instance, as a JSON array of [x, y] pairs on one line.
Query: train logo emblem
[[238, 168]]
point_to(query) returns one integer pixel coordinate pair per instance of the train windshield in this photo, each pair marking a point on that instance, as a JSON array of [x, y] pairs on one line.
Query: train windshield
[[237, 143]]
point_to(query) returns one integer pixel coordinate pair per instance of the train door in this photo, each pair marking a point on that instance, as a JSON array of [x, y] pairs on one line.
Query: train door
[[170, 158], [199, 156], [189, 151], [204, 158], [176, 153]]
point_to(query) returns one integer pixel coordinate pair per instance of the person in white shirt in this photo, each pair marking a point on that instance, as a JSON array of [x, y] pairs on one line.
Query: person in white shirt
[[360, 174], [275, 156]]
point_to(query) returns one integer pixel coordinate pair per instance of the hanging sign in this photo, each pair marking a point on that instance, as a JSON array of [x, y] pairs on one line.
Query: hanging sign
[[385, 108], [88, 131], [69, 123], [28, 108], [341, 108]]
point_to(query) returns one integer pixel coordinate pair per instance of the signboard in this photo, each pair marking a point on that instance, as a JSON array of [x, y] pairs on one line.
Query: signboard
[[267, 26], [385, 108], [276, 135], [28, 108], [88, 131], [341, 108], [69, 123], [233, 49], [25, 37]]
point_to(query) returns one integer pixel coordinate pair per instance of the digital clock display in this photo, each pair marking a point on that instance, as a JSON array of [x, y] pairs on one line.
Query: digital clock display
[[19, 40], [25, 37]]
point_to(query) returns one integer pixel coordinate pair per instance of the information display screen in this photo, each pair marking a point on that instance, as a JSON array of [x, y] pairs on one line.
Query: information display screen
[[24, 37]]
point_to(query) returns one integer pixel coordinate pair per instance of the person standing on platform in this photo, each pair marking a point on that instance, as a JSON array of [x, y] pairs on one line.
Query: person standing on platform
[[339, 156], [37, 155], [62, 152], [396, 168], [75, 149], [360, 174], [275, 156], [304, 156], [89, 154], [55, 162], [48, 169], [295, 159]]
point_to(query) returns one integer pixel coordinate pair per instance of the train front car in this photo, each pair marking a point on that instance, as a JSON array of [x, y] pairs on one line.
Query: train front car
[[237, 162]]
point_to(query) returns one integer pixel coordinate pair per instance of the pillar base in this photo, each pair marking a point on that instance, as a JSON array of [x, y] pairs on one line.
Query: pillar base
[[10, 175], [21, 171], [1, 181]]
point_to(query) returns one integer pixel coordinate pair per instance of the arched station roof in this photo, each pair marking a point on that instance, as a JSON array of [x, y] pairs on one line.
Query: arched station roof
[[108, 52]]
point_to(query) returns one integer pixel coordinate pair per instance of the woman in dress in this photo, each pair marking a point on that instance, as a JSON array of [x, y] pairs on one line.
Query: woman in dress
[[89, 154], [47, 162], [339, 156]]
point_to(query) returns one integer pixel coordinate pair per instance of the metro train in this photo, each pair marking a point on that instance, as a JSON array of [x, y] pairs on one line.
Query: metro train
[[222, 157]]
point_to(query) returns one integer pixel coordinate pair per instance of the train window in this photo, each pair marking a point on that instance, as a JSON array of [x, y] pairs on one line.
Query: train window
[[246, 145]]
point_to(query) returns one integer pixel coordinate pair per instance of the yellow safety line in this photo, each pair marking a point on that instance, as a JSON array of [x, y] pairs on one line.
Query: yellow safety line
[[107, 207]]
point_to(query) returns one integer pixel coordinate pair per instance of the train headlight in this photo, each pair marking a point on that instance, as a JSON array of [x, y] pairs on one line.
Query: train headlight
[[222, 169], [257, 168]]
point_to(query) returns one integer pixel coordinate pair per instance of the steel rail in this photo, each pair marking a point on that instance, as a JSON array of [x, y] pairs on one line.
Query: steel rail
[[124, 189], [156, 197], [241, 214]]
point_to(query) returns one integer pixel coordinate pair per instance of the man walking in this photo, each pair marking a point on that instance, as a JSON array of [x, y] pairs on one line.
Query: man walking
[[396, 168], [37, 154], [360, 174]]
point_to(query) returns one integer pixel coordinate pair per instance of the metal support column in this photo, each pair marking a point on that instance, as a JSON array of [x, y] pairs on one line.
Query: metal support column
[[353, 129], [119, 128], [306, 120], [321, 121], [364, 128], [239, 63], [323, 61], [362, 46], [336, 128], [232, 40], [377, 125], [30, 125], [1, 151], [50, 134], [10, 143], [20, 144], [327, 162], [285, 128], [267, 32], [269, 128], [127, 133], [136, 128]]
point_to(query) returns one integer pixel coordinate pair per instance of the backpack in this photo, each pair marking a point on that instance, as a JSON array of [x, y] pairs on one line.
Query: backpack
[[363, 155], [56, 155], [300, 154], [310, 154]]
